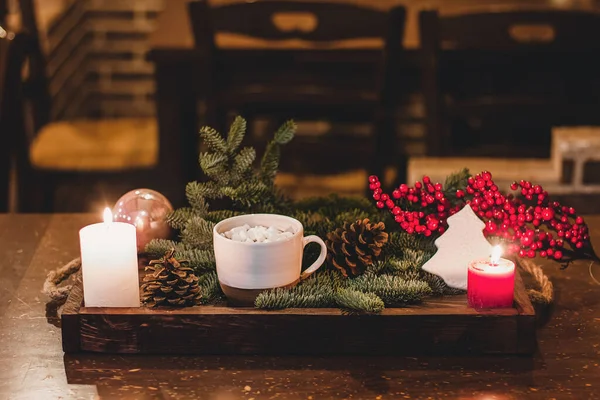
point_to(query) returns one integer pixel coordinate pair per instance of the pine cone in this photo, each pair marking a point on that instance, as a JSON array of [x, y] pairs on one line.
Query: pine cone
[[169, 282], [357, 245]]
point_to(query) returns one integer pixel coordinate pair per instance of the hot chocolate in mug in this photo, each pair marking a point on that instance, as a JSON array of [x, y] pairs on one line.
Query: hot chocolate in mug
[[245, 269]]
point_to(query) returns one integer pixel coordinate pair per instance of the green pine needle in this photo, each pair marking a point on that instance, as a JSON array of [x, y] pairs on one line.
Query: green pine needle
[[236, 134], [179, 218], [194, 192], [220, 215], [270, 162], [200, 261], [285, 133], [198, 234], [210, 288], [214, 165], [356, 301], [213, 139], [158, 247], [243, 162], [393, 290]]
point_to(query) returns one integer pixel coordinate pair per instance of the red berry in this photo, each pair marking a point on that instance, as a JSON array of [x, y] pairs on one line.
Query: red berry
[[384, 197], [389, 203], [396, 194], [558, 255], [376, 196], [514, 186], [460, 194], [579, 221], [380, 204], [373, 178], [426, 179], [547, 214]]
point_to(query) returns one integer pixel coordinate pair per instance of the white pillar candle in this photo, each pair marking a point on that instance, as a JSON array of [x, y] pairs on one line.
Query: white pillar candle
[[109, 264]]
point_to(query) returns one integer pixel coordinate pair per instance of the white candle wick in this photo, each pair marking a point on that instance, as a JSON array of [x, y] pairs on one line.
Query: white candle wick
[[496, 254], [108, 218]]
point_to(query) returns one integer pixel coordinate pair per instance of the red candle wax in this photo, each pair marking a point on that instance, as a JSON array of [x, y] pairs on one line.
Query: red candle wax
[[491, 285]]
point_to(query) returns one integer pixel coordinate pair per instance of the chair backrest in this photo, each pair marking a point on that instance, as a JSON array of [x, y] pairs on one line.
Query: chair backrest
[[328, 60], [508, 56], [277, 20], [35, 85], [551, 29], [23, 94]]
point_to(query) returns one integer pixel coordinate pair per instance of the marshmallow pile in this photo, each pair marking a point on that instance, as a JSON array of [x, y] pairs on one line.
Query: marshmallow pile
[[258, 234]]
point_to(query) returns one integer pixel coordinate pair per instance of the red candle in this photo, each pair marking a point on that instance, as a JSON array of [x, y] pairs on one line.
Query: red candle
[[491, 283]]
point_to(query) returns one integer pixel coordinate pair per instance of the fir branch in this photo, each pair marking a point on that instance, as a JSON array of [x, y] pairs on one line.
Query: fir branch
[[200, 261], [213, 139], [177, 219], [457, 180], [280, 298], [236, 134], [454, 182], [159, 247], [270, 162], [242, 164], [198, 233], [393, 290], [285, 133], [220, 215], [194, 194], [215, 166], [317, 291], [248, 193], [353, 300], [438, 286], [209, 288]]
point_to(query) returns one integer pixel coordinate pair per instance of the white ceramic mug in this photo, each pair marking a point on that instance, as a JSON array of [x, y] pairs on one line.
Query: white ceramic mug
[[245, 265]]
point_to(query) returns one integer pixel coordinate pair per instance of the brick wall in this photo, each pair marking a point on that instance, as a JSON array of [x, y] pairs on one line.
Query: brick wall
[[96, 57]]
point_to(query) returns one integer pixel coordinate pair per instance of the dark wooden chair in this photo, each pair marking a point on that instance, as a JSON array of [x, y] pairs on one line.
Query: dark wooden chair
[[321, 77], [80, 152], [501, 80], [4, 149]]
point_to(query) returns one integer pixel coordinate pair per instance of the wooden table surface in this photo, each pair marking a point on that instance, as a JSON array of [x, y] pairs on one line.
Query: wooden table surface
[[173, 29], [33, 366]]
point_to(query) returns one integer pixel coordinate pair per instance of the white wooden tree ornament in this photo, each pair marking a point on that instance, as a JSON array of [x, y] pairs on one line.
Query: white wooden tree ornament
[[462, 243]]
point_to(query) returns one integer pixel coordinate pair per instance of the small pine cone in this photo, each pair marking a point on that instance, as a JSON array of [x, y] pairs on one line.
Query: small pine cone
[[355, 246], [170, 282]]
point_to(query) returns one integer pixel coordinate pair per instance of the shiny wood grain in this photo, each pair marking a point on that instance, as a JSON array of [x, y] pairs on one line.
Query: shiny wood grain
[[34, 366]]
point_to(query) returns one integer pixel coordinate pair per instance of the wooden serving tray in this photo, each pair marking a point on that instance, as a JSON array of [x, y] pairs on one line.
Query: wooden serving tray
[[438, 326]]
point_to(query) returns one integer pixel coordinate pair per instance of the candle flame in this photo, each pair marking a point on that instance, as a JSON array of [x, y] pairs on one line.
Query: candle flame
[[496, 254], [107, 215]]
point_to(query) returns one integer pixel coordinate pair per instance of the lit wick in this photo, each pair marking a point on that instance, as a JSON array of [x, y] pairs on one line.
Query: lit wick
[[496, 254], [108, 218]]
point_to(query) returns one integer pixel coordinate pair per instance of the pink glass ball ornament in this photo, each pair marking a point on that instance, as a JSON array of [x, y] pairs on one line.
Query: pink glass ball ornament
[[147, 210]]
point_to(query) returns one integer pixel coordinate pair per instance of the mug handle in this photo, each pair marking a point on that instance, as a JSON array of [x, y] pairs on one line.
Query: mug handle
[[315, 266]]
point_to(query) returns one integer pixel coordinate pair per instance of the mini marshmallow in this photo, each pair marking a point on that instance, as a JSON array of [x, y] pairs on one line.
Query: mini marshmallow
[[258, 234]]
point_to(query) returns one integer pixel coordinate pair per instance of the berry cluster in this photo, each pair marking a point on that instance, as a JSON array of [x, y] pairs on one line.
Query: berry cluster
[[530, 223], [420, 209]]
